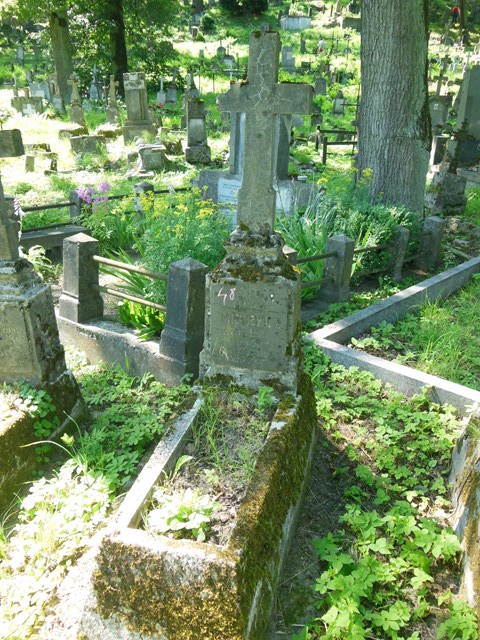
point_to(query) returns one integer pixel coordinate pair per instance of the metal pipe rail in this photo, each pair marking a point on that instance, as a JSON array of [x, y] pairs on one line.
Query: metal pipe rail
[[126, 296], [130, 267], [320, 256], [375, 247]]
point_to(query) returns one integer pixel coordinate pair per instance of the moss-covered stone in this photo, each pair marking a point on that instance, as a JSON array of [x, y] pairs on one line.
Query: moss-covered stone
[[166, 588]]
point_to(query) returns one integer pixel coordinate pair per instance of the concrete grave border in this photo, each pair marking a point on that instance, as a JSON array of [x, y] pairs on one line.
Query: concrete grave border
[[330, 338], [158, 588], [465, 472]]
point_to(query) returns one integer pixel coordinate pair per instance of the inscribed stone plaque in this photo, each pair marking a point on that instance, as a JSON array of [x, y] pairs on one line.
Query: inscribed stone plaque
[[250, 323], [132, 82], [15, 345], [228, 196]]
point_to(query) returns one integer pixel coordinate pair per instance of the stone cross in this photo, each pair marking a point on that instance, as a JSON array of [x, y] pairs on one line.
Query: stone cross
[[261, 97], [73, 82], [28, 109]]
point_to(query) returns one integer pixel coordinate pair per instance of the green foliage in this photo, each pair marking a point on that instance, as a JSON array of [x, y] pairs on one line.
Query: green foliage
[[147, 322], [375, 570], [472, 210], [43, 265], [183, 225], [265, 399], [182, 514], [244, 6], [438, 340], [39, 405], [461, 625]]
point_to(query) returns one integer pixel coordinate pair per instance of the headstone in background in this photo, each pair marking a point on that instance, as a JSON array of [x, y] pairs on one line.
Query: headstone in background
[[151, 157], [138, 120], [192, 91], [288, 61], [171, 97], [94, 92], [438, 111], [252, 329], [29, 164], [40, 90], [197, 149], [161, 95], [11, 143], [20, 55], [112, 112], [76, 112], [320, 86], [339, 104], [87, 144]]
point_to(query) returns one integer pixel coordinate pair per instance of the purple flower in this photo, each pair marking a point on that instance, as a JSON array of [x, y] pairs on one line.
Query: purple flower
[[103, 186], [85, 193]]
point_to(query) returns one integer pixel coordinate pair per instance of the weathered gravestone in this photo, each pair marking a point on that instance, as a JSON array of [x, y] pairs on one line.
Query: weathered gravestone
[[197, 149], [288, 61], [76, 112], [138, 120], [438, 110], [469, 113], [252, 328], [112, 112], [161, 94], [29, 341], [11, 143]]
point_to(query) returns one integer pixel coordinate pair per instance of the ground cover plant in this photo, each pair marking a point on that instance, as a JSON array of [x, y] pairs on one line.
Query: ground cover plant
[[200, 499], [390, 568], [441, 338], [43, 535]]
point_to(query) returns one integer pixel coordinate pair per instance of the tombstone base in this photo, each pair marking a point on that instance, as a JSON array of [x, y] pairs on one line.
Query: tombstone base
[[87, 144], [252, 331], [198, 155], [222, 187], [11, 143], [31, 348], [132, 131], [446, 194], [152, 157]]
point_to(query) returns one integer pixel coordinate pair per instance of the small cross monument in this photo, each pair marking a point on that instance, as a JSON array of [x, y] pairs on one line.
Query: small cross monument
[[252, 330], [261, 97]]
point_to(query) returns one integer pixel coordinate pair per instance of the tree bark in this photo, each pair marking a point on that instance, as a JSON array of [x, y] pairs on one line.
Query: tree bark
[[62, 51], [393, 121], [118, 47]]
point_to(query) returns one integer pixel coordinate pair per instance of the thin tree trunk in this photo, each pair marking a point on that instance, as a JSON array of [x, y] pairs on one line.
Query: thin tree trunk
[[394, 121], [62, 51], [118, 47]]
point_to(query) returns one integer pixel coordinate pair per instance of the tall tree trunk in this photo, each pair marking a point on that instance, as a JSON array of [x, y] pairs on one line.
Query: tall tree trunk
[[394, 122], [62, 51], [463, 14], [118, 47]]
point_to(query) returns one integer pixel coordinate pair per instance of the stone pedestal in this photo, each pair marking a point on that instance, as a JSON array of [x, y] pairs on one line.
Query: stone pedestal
[[11, 143], [252, 329], [152, 157], [138, 120]]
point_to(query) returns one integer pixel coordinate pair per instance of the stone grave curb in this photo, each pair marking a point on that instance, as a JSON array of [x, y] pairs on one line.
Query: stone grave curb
[[185, 582], [401, 377], [76, 597], [465, 472], [104, 341]]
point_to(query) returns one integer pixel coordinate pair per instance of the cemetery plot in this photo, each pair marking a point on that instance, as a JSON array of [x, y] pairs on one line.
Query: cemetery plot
[[441, 338], [47, 532], [388, 459]]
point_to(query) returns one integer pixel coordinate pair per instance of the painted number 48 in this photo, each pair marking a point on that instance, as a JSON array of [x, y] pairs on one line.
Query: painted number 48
[[230, 294]]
